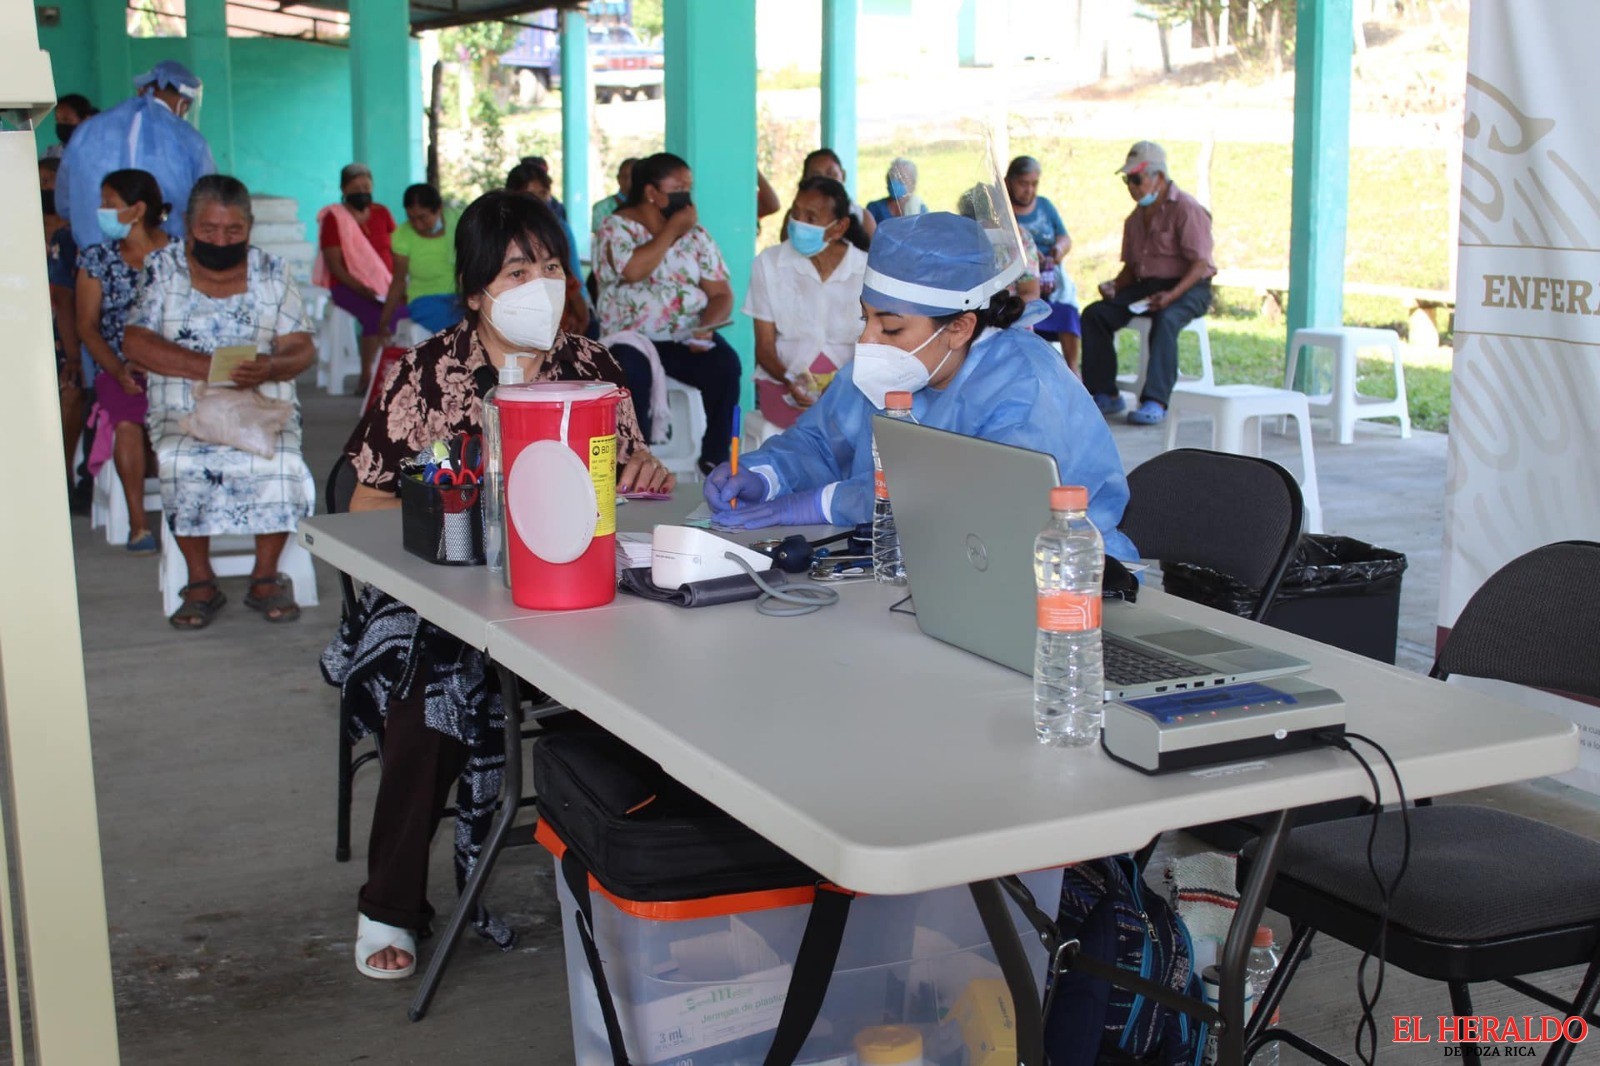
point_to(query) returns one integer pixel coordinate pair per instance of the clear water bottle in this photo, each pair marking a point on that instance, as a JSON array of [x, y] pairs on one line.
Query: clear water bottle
[[494, 481], [1259, 968], [1069, 559], [887, 565]]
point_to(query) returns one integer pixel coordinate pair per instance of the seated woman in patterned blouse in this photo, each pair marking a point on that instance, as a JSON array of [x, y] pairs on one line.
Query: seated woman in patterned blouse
[[213, 293], [439, 713]]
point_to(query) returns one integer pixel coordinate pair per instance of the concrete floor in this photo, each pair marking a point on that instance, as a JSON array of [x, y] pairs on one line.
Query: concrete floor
[[232, 926]]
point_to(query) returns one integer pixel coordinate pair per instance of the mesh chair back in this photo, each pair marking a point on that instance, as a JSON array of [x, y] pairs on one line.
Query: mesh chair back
[[1536, 621], [1235, 514], [336, 496]]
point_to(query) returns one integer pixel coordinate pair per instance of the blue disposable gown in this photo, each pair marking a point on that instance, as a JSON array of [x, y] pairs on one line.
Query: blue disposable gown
[[1013, 389], [141, 133]]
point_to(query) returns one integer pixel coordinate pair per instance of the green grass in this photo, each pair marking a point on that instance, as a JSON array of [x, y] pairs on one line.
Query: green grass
[[1396, 236], [789, 78]]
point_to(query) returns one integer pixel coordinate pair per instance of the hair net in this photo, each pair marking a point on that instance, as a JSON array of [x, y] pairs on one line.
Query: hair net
[[936, 264], [169, 74]]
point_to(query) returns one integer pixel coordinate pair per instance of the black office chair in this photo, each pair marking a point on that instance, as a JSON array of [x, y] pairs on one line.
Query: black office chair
[[340, 488], [1487, 895], [1235, 514]]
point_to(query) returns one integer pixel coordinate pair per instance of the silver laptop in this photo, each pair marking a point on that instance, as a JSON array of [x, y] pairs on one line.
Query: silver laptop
[[968, 510]]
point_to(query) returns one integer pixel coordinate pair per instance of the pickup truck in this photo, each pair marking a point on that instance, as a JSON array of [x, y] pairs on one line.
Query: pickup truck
[[620, 66]]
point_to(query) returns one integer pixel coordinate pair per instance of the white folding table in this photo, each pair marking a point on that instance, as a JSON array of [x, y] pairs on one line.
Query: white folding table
[[894, 764]]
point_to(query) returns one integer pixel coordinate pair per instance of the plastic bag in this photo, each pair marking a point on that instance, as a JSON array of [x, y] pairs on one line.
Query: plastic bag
[[238, 418], [1322, 566]]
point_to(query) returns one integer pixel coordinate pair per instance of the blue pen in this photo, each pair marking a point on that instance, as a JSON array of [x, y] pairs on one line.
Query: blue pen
[[733, 448]]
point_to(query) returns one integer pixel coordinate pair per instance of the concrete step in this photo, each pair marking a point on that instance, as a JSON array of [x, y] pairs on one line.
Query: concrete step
[[275, 209], [265, 233], [298, 254]]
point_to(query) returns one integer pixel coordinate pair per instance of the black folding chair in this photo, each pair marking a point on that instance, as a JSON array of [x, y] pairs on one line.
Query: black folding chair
[[340, 488], [1487, 895], [1235, 514]]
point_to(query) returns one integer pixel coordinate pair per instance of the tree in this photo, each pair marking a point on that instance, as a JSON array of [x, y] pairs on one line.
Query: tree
[[647, 18]]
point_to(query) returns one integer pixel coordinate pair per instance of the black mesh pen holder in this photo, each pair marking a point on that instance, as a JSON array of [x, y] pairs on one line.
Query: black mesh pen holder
[[442, 523]]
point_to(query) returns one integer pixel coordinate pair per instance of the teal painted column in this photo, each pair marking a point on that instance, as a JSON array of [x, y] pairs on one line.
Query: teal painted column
[[575, 99], [711, 122], [967, 33], [113, 61], [1321, 195], [839, 21], [380, 66], [207, 25]]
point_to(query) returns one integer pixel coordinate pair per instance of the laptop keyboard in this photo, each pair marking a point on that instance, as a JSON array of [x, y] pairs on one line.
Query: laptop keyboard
[[1129, 664]]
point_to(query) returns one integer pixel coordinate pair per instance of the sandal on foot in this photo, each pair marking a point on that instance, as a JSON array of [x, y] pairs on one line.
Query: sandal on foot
[[197, 614], [373, 937], [276, 606], [143, 544]]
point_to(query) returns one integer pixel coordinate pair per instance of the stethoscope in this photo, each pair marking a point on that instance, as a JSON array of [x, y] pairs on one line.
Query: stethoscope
[[795, 554]]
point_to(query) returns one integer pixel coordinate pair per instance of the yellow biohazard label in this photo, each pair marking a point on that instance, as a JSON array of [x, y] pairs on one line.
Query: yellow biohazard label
[[603, 469]]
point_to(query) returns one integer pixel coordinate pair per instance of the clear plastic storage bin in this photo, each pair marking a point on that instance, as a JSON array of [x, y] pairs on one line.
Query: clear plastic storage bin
[[703, 982]]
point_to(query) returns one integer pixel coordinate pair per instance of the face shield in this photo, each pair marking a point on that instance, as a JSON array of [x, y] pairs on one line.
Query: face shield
[[987, 203]]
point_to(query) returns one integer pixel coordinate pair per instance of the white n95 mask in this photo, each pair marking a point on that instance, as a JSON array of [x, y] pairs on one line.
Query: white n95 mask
[[880, 369], [529, 315]]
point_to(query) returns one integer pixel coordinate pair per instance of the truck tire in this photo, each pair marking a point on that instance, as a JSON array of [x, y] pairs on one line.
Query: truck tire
[[602, 94], [652, 92]]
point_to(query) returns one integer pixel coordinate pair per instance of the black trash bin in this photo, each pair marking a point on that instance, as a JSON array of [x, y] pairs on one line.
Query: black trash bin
[[1338, 590]]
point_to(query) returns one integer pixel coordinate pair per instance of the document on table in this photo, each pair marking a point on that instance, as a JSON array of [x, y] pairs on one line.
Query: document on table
[[633, 550], [702, 518], [227, 359]]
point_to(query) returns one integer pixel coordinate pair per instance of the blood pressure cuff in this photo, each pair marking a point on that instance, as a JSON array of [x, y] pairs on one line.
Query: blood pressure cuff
[[708, 593]]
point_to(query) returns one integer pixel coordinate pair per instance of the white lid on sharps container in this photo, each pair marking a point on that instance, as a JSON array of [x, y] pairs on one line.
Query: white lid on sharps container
[[550, 494]]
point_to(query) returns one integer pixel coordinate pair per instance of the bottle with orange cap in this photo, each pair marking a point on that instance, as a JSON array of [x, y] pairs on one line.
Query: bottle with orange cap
[[887, 564], [1069, 559]]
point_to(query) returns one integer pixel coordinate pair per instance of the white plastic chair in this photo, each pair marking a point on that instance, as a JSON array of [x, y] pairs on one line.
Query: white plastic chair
[[686, 427], [1345, 405], [338, 351], [1235, 408], [232, 557], [1140, 324], [109, 507], [757, 431]]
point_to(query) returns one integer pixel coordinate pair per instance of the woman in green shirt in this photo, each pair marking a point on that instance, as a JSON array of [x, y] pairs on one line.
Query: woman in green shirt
[[424, 285]]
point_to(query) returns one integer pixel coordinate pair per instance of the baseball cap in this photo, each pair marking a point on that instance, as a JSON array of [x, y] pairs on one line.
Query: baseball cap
[[1145, 154]]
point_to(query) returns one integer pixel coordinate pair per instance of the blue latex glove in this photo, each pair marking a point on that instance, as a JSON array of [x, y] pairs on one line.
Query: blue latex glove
[[722, 487], [795, 509]]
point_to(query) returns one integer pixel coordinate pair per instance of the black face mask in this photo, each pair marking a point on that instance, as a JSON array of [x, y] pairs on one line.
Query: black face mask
[[219, 257], [358, 201], [64, 130], [676, 201], [47, 199]]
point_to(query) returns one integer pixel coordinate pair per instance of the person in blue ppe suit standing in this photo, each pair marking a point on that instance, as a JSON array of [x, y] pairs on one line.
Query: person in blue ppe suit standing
[[145, 133], [939, 323]]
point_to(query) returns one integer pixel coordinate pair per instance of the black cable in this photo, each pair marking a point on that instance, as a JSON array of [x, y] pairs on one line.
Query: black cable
[[1368, 1025], [898, 606]]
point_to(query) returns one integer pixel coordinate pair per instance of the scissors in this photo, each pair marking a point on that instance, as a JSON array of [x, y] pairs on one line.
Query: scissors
[[466, 455]]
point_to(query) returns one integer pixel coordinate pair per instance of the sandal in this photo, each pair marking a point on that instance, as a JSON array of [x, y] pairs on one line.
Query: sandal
[[278, 605], [373, 937], [197, 614], [143, 544]]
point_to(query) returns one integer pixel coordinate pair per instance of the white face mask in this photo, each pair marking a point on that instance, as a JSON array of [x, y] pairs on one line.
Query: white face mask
[[529, 315], [882, 368]]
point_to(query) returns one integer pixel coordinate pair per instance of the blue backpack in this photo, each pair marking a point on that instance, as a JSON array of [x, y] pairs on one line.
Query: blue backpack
[[1107, 908]]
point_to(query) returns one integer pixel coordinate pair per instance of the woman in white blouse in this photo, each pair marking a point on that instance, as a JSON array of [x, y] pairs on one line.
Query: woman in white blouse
[[805, 298]]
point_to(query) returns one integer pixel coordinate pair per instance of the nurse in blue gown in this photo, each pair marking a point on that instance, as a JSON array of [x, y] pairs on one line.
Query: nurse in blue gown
[[938, 322]]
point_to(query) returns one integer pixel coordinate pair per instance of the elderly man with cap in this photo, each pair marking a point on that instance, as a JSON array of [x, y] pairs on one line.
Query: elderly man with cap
[[1166, 274], [148, 133], [940, 324]]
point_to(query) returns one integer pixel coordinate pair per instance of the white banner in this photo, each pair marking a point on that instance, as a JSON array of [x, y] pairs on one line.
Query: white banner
[[1525, 395]]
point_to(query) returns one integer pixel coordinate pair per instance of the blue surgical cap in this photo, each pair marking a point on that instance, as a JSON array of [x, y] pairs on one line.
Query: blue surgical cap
[[933, 264], [169, 74]]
